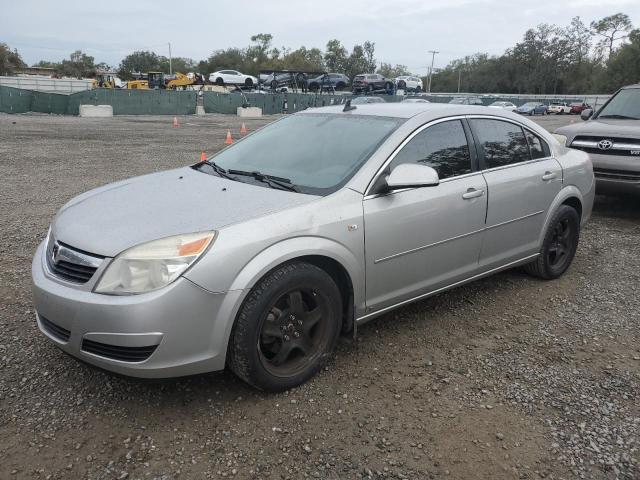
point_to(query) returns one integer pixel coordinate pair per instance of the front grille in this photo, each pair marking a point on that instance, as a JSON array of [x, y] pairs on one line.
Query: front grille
[[71, 264], [617, 175], [117, 352], [54, 330], [70, 271], [621, 146]]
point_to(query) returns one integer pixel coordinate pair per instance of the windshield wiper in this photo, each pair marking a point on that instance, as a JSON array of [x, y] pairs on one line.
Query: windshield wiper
[[271, 180], [219, 170], [620, 117]]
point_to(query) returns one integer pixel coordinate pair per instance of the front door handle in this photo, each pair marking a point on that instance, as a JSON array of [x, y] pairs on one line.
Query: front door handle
[[549, 176], [472, 193]]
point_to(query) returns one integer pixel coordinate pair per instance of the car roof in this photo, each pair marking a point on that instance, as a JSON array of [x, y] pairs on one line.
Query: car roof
[[409, 110], [635, 85]]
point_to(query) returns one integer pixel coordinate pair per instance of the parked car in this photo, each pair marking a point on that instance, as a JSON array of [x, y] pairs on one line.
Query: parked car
[[504, 105], [336, 81], [267, 276], [415, 100], [579, 107], [232, 77], [559, 108], [532, 108], [363, 100], [284, 80], [466, 101], [371, 82], [611, 137], [409, 83]]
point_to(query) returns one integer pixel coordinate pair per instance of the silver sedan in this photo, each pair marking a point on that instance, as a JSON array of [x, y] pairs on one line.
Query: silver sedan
[[261, 256]]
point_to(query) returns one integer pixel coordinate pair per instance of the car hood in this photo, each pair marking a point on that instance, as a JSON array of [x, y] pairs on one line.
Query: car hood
[[604, 127], [112, 218]]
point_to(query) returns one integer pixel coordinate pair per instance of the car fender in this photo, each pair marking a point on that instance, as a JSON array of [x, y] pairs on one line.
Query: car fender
[[296, 247], [566, 192], [275, 255]]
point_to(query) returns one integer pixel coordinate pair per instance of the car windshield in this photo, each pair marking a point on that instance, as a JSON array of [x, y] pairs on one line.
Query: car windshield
[[458, 100], [333, 149], [624, 105]]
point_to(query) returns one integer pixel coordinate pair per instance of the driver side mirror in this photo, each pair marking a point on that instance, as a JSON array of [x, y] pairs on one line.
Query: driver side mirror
[[412, 175], [586, 114]]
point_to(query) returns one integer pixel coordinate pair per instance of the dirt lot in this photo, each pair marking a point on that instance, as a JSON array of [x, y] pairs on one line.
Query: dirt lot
[[509, 377]]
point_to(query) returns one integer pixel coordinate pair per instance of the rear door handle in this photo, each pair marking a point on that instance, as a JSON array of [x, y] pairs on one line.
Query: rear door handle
[[549, 176], [472, 193]]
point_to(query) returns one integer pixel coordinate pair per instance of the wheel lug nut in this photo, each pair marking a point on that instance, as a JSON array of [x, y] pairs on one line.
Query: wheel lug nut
[[292, 317], [296, 334], [299, 322], [287, 338]]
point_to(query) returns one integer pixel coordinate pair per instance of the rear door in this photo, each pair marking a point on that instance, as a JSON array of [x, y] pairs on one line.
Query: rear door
[[522, 180], [420, 239]]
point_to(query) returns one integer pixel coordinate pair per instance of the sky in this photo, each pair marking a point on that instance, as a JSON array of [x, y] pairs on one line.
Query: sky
[[403, 30]]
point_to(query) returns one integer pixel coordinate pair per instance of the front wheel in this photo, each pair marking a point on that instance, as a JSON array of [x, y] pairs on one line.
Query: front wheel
[[287, 327], [559, 245]]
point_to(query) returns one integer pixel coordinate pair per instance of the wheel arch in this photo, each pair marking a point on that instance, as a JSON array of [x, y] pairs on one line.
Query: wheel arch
[[569, 195]]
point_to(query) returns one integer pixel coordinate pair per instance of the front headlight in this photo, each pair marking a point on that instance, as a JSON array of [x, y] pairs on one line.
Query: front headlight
[[153, 265], [561, 138]]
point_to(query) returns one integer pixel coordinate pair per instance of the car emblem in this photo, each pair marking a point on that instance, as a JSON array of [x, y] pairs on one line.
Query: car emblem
[[605, 144], [55, 253]]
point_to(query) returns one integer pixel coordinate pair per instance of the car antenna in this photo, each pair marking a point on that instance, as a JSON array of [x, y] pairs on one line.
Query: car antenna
[[348, 107]]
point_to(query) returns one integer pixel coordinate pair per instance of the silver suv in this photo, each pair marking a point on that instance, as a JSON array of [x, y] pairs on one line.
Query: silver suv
[[611, 136], [259, 257]]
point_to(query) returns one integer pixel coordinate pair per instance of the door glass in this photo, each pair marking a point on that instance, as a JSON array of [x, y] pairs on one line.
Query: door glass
[[442, 146], [502, 143], [535, 145]]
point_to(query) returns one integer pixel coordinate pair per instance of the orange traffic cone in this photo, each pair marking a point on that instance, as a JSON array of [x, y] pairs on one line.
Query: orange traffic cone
[[243, 129], [229, 139], [203, 156], [175, 122]]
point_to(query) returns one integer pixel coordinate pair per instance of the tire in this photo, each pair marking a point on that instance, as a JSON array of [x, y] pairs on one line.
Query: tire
[[340, 86], [418, 89], [248, 83], [275, 325], [388, 88], [559, 245], [219, 81], [402, 85], [274, 85], [370, 88]]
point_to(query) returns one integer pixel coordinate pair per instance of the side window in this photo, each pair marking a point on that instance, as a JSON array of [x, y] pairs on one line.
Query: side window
[[502, 143], [537, 146], [442, 146]]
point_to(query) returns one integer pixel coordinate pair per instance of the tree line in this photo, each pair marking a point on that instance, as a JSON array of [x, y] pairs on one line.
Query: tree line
[[575, 59]]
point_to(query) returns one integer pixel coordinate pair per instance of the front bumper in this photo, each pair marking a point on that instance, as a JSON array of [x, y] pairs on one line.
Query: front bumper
[[184, 327], [616, 174]]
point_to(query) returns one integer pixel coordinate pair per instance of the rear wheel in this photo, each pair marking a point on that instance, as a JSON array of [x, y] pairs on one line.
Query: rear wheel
[[287, 327], [559, 245], [219, 81], [248, 83]]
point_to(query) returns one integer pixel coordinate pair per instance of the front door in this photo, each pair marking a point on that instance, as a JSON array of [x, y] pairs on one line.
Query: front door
[[418, 240]]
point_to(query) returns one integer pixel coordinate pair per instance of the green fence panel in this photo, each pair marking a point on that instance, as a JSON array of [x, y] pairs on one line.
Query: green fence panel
[[15, 100], [137, 102], [44, 102]]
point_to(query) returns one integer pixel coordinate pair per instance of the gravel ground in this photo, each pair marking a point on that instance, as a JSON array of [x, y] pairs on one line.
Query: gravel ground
[[508, 377]]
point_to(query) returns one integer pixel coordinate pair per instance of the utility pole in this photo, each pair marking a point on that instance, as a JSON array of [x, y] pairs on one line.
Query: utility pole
[[459, 78], [433, 56], [170, 70]]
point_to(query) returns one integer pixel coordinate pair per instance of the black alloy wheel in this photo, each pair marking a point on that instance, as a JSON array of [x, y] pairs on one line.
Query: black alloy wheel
[[559, 245], [293, 333], [287, 327]]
